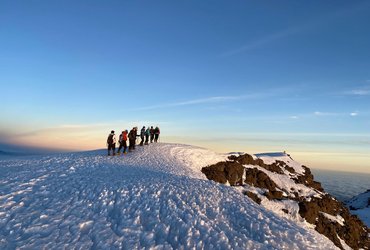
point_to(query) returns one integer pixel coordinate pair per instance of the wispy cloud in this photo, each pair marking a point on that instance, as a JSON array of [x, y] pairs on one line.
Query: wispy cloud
[[325, 114], [289, 31], [319, 113], [206, 100], [353, 114], [261, 41], [360, 92]]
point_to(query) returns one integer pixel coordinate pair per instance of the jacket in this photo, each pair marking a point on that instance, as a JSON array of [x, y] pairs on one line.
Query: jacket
[[132, 134], [113, 138]]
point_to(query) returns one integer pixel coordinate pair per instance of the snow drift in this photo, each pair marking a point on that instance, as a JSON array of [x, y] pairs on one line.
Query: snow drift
[[156, 197]]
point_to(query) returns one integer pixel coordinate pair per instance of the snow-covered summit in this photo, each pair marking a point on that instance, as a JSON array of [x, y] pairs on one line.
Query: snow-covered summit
[[156, 197]]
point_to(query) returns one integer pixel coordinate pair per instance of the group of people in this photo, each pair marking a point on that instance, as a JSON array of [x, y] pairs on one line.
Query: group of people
[[145, 134]]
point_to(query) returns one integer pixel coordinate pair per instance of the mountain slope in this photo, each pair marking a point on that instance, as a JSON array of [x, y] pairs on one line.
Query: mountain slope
[[155, 196], [360, 205], [287, 188]]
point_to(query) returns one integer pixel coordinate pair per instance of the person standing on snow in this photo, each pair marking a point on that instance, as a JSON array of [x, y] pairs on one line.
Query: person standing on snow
[[122, 142], [132, 139], [147, 133], [142, 134], [111, 142], [156, 134], [151, 134]]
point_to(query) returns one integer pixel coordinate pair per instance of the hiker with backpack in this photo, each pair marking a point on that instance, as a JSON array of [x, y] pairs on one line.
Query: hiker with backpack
[[147, 133], [142, 134], [111, 142], [123, 142], [151, 134], [132, 139], [156, 134]]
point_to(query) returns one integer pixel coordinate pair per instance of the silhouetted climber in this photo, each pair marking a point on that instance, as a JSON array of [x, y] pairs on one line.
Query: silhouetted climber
[[132, 139], [151, 134], [147, 133], [111, 142], [142, 135], [156, 134], [123, 142]]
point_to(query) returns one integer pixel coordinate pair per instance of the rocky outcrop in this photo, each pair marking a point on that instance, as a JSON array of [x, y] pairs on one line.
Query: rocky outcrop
[[257, 178], [329, 216], [274, 195], [348, 227], [223, 172], [247, 159], [308, 180], [253, 196]]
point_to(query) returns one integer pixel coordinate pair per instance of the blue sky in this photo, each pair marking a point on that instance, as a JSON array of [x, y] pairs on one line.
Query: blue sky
[[228, 75]]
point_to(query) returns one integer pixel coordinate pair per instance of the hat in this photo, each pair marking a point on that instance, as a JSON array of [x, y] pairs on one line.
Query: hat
[[112, 131]]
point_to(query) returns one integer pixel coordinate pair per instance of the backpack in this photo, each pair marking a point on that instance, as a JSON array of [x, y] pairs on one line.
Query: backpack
[[110, 139]]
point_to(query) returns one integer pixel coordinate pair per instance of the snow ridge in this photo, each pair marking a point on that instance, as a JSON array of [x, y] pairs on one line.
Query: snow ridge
[[155, 197]]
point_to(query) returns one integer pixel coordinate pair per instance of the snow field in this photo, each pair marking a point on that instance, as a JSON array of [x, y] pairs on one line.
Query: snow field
[[155, 198]]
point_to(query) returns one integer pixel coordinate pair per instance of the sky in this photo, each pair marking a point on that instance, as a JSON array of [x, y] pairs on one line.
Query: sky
[[250, 76]]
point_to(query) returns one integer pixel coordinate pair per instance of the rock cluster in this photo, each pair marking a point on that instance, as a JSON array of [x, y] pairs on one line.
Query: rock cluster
[[350, 229], [318, 209], [224, 172]]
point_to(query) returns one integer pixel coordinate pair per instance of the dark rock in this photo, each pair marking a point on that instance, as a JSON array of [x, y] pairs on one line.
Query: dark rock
[[253, 196], [257, 178], [354, 232], [273, 168], [277, 195], [309, 211], [289, 169], [285, 210], [225, 171], [216, 172], [328, 228], [234, 174], [307, 179], [247, 159]]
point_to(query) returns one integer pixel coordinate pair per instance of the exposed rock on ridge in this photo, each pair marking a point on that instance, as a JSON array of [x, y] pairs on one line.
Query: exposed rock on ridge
[[329, 216]]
